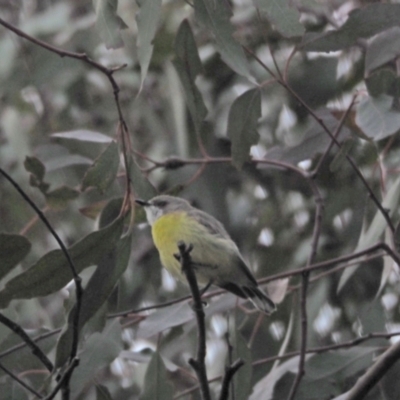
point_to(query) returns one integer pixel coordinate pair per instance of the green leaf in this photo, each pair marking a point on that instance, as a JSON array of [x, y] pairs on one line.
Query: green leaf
[[188, 65], [83, 136], [282, 15], [99, 351], [37, 171], [59, 198], [100, 286], [35, 167], [52, 272], [315, 141], [377, 117], [383, 48], [108, 23], [142, 187], [383, 81], [67, 160], [147, 20], [362, 23], [156, 386], [163, 319], [375, 230], [13, 249], [215, 16], [104, 170], [242, 125]]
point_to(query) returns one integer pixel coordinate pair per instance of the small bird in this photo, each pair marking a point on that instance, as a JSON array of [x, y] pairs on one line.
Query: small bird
[[215, 257]]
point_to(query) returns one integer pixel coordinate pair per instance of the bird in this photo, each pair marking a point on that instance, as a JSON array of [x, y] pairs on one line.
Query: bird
[[215, 257]]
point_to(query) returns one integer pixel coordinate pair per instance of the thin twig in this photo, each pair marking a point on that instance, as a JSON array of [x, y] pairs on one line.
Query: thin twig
[[29, 342], [304, 286], [375, 373], [23, 344], [326, 129], [65, 377], [76, 277], [229, 373], [20, 381], [315, 350], [199, 365], [335, 134]]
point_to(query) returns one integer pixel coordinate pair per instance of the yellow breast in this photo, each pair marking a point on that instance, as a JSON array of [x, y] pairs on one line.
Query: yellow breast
[[167, 231]]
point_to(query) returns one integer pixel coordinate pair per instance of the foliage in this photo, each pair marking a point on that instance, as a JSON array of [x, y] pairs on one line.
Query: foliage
[[280, 118]]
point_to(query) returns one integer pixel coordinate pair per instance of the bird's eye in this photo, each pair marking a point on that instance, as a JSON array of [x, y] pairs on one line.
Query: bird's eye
[[161, 203]]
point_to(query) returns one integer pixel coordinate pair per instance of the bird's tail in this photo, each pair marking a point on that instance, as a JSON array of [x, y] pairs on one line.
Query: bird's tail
[[260, 300]]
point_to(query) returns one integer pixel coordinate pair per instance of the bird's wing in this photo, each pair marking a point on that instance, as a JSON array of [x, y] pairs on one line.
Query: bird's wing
[[216, 228], [212, 225]]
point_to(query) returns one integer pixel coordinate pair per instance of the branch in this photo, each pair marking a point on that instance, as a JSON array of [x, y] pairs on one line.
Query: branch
[[64, 378], [199, 364], [76, 277], [21, 382], [284, 84], [23, 344], [229, 372], [375, 373], [28, 341]]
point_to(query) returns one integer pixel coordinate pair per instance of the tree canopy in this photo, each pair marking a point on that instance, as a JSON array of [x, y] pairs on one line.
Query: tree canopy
[[279, 118]]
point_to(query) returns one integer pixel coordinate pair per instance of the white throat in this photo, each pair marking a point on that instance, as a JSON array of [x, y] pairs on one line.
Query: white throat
[[153, 213]]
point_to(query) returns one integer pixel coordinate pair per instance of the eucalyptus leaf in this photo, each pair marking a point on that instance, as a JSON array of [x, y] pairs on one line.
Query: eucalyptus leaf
[[104, 169], [108, 23], [147, 20], [362, 23], [215, 16], [188, 65], [375, 230], [52, 272], [100, 286], [99, 351], [242, 125], [283, 15], [13, 249], [156, 385], [83, 135]]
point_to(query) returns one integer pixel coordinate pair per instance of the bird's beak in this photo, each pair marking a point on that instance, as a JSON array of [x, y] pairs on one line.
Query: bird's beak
[[142, 202]]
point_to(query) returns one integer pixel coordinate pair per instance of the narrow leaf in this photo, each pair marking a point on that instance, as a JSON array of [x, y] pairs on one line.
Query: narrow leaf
[[83, 136], [377, 117], [108, 23], [375, 230], [188, 65], [242, 125], [282, 15], [100, 286], [104, 170], [383, 48], [362, 23], [215, 16], [156, 386], [147, 20], [141, 185], [52, 272], [99, 351], [59, 198], [13, 249]]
